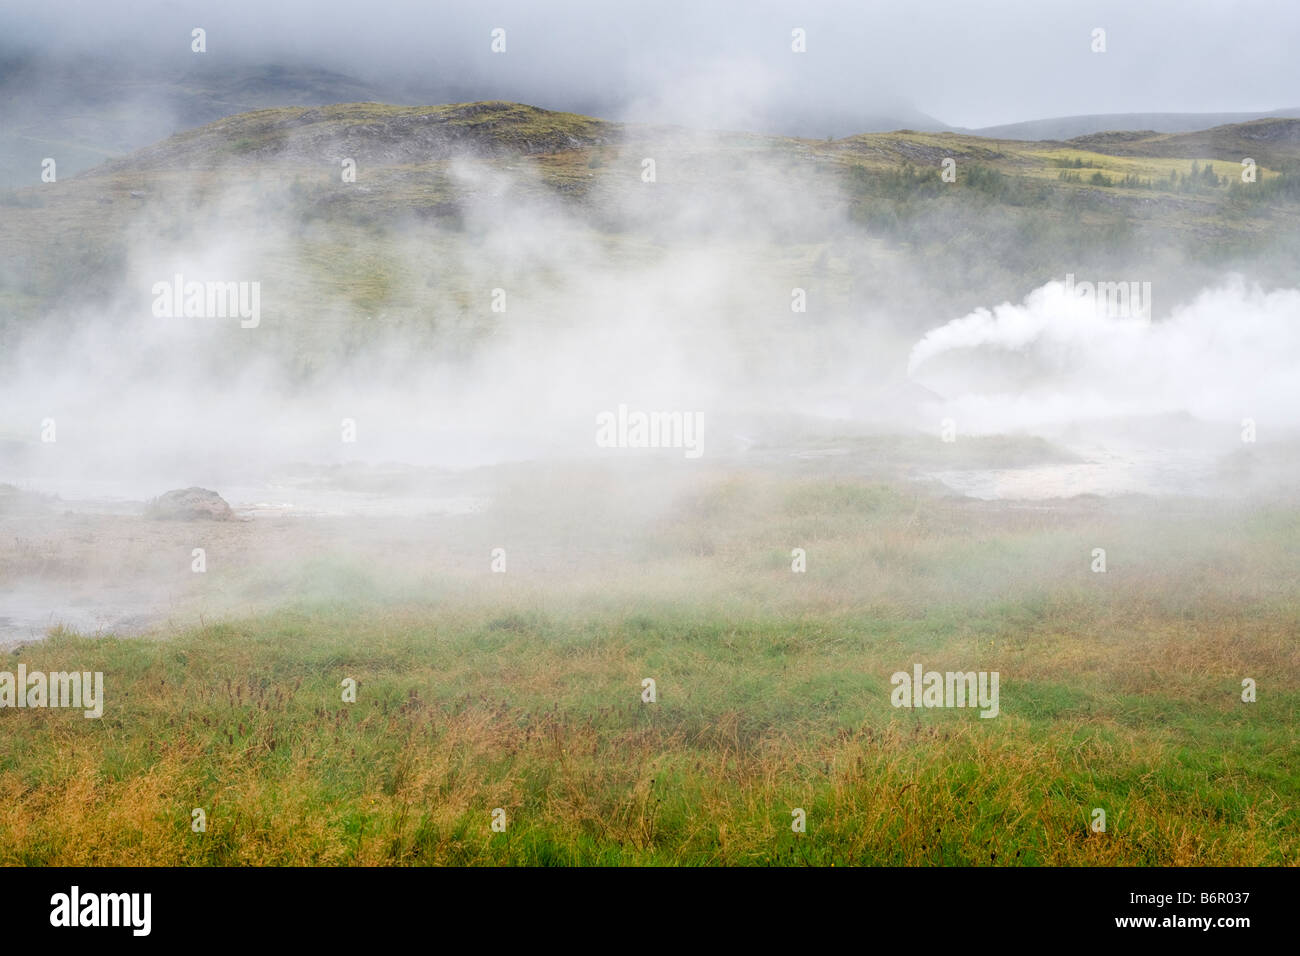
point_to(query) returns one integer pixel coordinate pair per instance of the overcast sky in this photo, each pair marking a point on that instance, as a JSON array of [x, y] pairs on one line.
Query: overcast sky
[[966, 62]]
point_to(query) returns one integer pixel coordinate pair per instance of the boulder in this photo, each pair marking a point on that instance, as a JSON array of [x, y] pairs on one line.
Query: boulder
[[189, 504]]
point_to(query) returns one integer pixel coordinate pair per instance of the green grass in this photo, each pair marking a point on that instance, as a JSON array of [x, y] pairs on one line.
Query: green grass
[[1119, 691]]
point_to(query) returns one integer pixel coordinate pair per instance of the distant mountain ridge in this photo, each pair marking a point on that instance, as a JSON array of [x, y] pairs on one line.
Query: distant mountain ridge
[[83, 112], [1071, 127]]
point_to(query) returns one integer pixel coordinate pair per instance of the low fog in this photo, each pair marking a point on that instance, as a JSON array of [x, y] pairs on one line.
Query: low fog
[[718, 66]]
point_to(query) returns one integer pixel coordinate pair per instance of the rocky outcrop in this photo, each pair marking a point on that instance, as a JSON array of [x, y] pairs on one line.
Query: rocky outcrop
[[189, 504]]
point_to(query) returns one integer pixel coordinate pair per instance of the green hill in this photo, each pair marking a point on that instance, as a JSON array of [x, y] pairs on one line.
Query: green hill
[[867, 220]]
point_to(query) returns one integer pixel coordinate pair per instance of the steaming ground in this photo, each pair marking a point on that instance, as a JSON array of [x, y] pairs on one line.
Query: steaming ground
[[1174, 406], [89, 560], [676, 297], [1048, 402], [1227, 355]]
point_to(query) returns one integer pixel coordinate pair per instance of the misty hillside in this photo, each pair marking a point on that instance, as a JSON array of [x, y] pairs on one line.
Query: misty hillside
[[842, 215], [82, 111], [85, 110]]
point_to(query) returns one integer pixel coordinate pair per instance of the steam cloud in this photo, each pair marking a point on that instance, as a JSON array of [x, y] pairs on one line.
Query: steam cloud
[[1228, 354]]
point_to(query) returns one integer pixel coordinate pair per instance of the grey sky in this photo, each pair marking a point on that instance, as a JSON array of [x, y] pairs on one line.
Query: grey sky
[[724, 62]]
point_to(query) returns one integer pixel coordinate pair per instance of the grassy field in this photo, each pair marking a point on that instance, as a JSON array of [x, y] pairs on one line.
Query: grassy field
[[522, 691]]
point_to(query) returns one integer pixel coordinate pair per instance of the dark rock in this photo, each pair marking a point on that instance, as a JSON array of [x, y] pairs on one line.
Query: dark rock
[[189, 504]]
